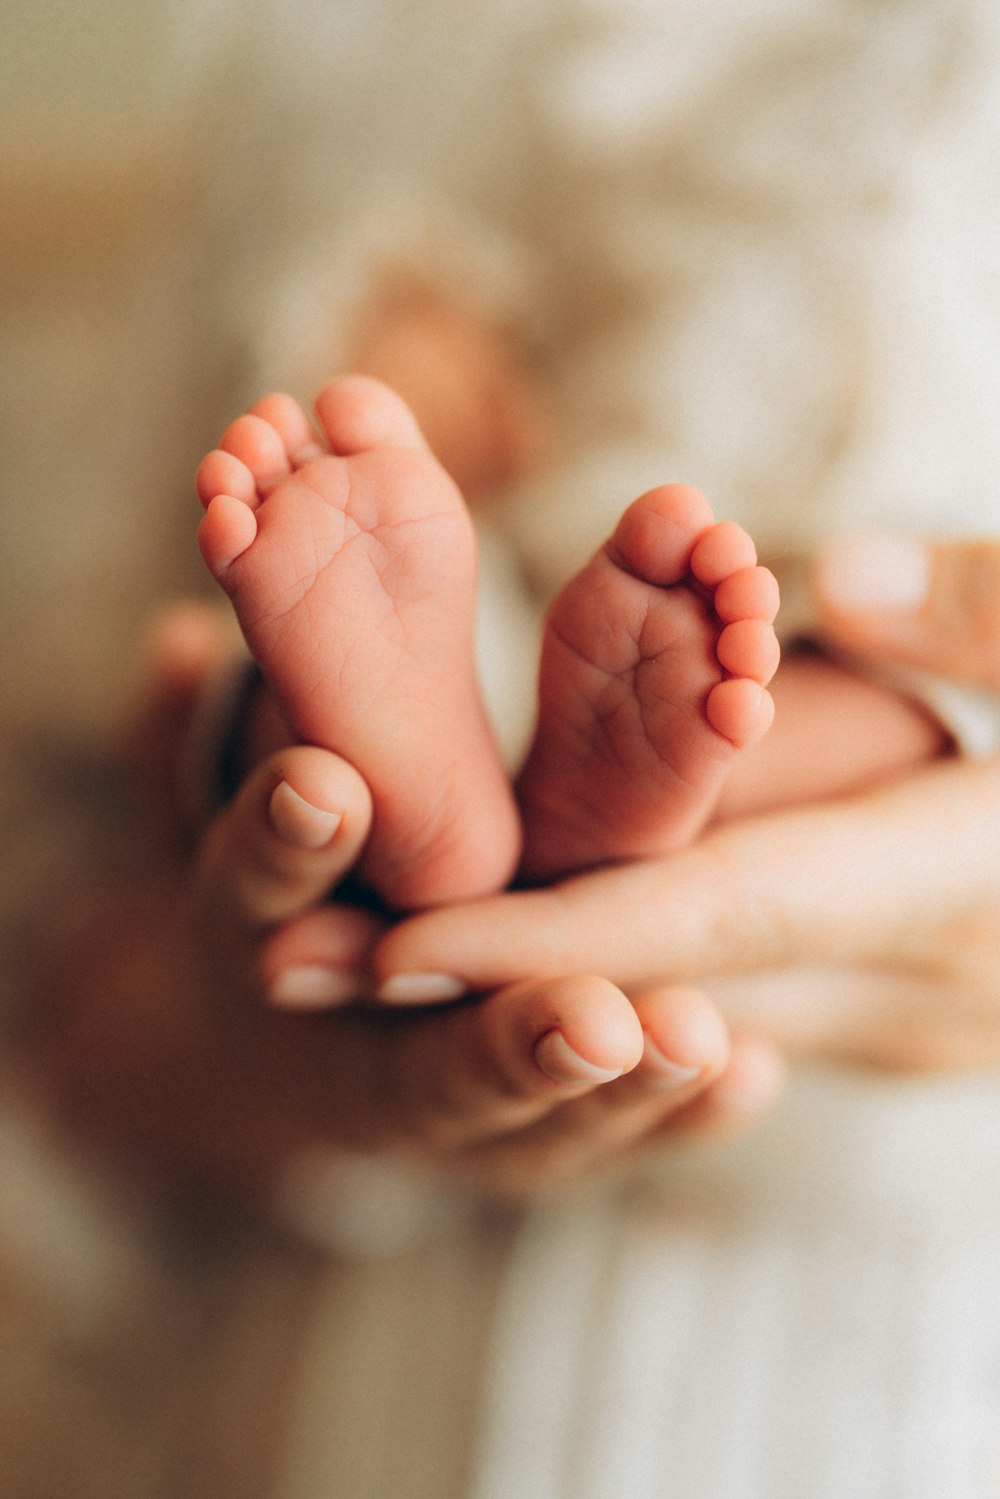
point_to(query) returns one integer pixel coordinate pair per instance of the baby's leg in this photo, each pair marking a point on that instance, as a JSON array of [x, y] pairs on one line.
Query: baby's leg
[[654, 665], [350, 562]]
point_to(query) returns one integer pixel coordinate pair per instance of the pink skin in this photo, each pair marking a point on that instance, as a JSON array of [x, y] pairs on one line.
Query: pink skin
[[654, 667], [350, 562]]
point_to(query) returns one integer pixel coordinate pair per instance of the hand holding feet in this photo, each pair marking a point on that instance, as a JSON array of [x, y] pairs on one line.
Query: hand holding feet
[[654, 670], [350, 561]]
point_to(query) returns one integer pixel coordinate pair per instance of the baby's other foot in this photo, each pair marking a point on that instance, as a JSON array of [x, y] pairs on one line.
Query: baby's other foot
[[350, 561], [654, 665]]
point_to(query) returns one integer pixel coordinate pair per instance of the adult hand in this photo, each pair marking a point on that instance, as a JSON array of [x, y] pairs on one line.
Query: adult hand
[[192, 1032], [865, 927]]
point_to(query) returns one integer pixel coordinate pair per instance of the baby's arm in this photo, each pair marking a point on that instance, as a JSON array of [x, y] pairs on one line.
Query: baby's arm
[[835, 732]]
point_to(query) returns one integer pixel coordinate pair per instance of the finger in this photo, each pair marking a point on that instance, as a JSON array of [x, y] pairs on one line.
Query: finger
[[747, 1088], [872, 879], [689, 1081], [296, 827], [319, 961], [685, 1049], [431, 1082], [475, 1072], [933, 605]]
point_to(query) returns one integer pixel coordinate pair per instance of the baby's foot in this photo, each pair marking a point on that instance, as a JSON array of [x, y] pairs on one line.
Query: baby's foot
[[350, 562], [653, 669]]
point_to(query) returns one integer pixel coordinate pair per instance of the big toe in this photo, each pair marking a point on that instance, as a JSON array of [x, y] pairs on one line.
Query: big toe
[[358, 413], [657, 533]]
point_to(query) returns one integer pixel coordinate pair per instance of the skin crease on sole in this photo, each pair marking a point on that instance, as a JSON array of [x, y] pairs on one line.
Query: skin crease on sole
[[654, 670], [351, 566]]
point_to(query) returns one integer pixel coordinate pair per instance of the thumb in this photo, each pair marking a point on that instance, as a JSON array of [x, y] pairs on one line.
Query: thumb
[[928, 604]]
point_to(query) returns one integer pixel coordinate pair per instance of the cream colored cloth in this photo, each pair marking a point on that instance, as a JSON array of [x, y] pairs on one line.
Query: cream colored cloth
[[815, 1310]]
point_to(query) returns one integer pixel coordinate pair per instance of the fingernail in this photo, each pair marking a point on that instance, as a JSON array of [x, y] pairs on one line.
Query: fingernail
[[420, 989], [873, 573], [313, 987], [298, 822], [662, 1071], [562, 1064]]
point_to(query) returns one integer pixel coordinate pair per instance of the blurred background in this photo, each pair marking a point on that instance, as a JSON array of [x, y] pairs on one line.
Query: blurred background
[[194, 195]]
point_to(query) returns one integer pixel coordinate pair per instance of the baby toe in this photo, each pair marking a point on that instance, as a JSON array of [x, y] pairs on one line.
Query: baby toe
[[358, 413], [221, 473], [285, 415], [227, 530], [256, 443], [751, 593], [740, 710], [749, 648], [724, 549]]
